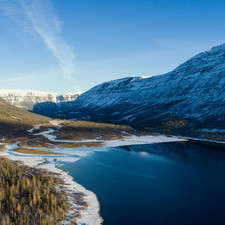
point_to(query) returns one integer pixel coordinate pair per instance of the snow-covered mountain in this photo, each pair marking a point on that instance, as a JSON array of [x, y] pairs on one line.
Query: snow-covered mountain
[[193, 94], [26, 99]]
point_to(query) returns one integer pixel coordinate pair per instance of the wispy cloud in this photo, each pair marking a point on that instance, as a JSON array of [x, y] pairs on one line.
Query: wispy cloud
[[39, 16]]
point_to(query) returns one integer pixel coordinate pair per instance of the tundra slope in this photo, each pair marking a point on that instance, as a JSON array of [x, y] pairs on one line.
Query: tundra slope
[[192, 96], [15, 122]]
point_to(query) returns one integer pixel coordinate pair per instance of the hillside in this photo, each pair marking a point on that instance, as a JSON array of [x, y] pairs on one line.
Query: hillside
[[15, 121], [190, 98]]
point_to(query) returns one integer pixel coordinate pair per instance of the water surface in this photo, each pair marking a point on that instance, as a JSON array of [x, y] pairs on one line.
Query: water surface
[[169, 183]]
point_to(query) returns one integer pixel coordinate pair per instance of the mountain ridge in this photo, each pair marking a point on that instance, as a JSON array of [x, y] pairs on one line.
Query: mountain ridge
[[26, 99], [194, 92], [189, 98]]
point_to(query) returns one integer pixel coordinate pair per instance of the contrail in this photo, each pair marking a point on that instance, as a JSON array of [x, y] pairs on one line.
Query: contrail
[[39, 15]]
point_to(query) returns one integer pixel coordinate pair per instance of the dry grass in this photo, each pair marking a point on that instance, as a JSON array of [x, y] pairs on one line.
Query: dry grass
[[42, 142], [14, 122], [175, 123], [219, 136], [35, 151], [77, 131], [37, 142], [79, 145], [16, 139], [80, 130], [12, 114], [3, 148]]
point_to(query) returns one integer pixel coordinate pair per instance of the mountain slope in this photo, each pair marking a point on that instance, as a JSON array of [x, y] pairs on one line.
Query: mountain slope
[[53, 109], [15, 121], [192, 95]]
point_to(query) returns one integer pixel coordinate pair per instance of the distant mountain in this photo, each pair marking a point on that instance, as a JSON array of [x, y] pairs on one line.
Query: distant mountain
[[191, 96], [26, 99]]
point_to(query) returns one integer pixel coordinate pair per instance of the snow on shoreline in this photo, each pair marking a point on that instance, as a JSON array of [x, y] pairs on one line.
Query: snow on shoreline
[[91, 214], [51, 137], [141, 140], [132, 140]]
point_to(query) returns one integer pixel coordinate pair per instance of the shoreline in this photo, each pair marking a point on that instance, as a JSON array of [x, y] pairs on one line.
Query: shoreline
[[89, 214]]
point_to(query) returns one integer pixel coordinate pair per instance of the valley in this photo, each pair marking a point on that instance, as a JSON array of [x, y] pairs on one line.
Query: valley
[[47, 132], [188, 101], [112, 112]]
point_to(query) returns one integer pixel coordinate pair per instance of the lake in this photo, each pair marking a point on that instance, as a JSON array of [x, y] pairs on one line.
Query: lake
[[167, 183]]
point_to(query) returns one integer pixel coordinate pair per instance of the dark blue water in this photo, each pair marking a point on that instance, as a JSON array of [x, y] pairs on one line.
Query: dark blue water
[[173, 183]]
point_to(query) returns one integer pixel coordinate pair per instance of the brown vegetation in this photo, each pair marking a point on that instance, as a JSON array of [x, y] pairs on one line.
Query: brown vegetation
[[3, 148], [80, 130], [79, 145], [219, 136], [76, 131], [37, 142], [175, 123], [15, 121], [35, 151], [42, 142]]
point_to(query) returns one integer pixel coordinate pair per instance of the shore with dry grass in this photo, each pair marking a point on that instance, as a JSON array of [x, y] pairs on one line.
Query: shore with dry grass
[[40, 145], [35, 151], [72, 134]]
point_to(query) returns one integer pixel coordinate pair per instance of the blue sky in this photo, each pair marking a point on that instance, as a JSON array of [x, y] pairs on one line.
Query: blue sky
[[72, 45]]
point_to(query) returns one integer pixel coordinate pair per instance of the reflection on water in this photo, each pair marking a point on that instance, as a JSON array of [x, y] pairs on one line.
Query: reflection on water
[[182, 152], [168, 183]]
